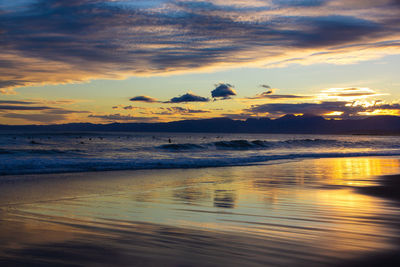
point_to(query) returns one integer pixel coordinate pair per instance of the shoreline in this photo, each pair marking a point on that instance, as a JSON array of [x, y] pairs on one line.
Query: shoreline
[[287, 214]]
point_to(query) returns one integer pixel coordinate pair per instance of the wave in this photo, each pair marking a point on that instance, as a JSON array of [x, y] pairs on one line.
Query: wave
[[182, 146], [40, 151], [260, 144], [57, 165]]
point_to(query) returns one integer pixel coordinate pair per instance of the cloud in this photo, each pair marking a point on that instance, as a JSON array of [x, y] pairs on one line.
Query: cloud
[[64, 111], [223, 90], [37, 117], [352, 93], [130, 107], [124, 107], [299, 108], [188, 97], [59, 102], [270, 95], [8, 88], [35, 111], [180, 110], [343, 108], [281, 96], [18, 107], [120, 117], [299, 3], [143, 98], [265, 86], [12, 102], [53, 106], [66, 41]]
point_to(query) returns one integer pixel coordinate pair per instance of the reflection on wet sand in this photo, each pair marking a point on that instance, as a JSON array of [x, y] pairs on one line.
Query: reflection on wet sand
[[298, 213], [224, 198]]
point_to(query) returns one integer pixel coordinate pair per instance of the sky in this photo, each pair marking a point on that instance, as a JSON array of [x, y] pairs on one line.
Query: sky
[[103, 61]]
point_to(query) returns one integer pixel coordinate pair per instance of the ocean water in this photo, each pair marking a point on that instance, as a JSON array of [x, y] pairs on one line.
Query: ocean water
[[33, 153], [274, 200]]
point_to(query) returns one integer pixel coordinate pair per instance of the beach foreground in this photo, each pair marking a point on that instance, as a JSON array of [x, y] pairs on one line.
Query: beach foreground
[[335, 211]]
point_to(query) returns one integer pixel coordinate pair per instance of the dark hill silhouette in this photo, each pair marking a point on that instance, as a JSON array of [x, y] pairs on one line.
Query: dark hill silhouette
[[286, 124]]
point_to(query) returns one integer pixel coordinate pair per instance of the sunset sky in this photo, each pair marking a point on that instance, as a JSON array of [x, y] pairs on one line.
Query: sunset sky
[[104, 61]]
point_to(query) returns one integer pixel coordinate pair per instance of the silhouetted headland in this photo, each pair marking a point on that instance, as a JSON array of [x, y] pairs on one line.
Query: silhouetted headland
[[376, 125]]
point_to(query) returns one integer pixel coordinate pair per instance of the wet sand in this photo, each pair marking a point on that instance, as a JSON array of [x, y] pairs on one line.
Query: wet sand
[[388, 187], [299, 213]]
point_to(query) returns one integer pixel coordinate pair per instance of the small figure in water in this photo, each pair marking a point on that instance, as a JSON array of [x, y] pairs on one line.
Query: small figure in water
[[169, 140]]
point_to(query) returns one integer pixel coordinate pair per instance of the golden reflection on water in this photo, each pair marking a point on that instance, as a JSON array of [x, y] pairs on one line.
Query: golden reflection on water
[[309, 206], [356, 171]]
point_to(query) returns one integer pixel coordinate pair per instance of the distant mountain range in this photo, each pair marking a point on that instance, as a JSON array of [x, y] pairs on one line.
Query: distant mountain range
[[285, 124]]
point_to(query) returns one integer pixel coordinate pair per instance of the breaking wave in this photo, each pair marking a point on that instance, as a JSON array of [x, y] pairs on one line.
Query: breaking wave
[[260, 144], [40, 151], [46, 165], [126, 151]]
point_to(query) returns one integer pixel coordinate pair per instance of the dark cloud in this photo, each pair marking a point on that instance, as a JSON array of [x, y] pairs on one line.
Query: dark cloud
[[180, 110], [38, 117], [265, 86], [47, 114], [58, 41], [16, 102], [128, 107], [356, 94], [270, 95], [284, 96], [143, 98], [64, 111], [15, 105], [299, 3], [347, 108], [304, 108], [334, 30], [188, 97], [263, 95], [350, 93], [120, 117], [223, 90], [383, 106], [18, 107]]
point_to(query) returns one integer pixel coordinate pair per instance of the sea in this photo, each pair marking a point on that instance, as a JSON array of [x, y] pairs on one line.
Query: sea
[[198, 199], [44, 152]]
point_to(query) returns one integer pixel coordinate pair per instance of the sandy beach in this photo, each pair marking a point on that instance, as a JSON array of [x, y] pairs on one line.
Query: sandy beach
[[316, 212]]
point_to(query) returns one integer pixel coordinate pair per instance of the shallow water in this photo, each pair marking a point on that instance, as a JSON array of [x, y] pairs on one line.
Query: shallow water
[[289, 212]]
